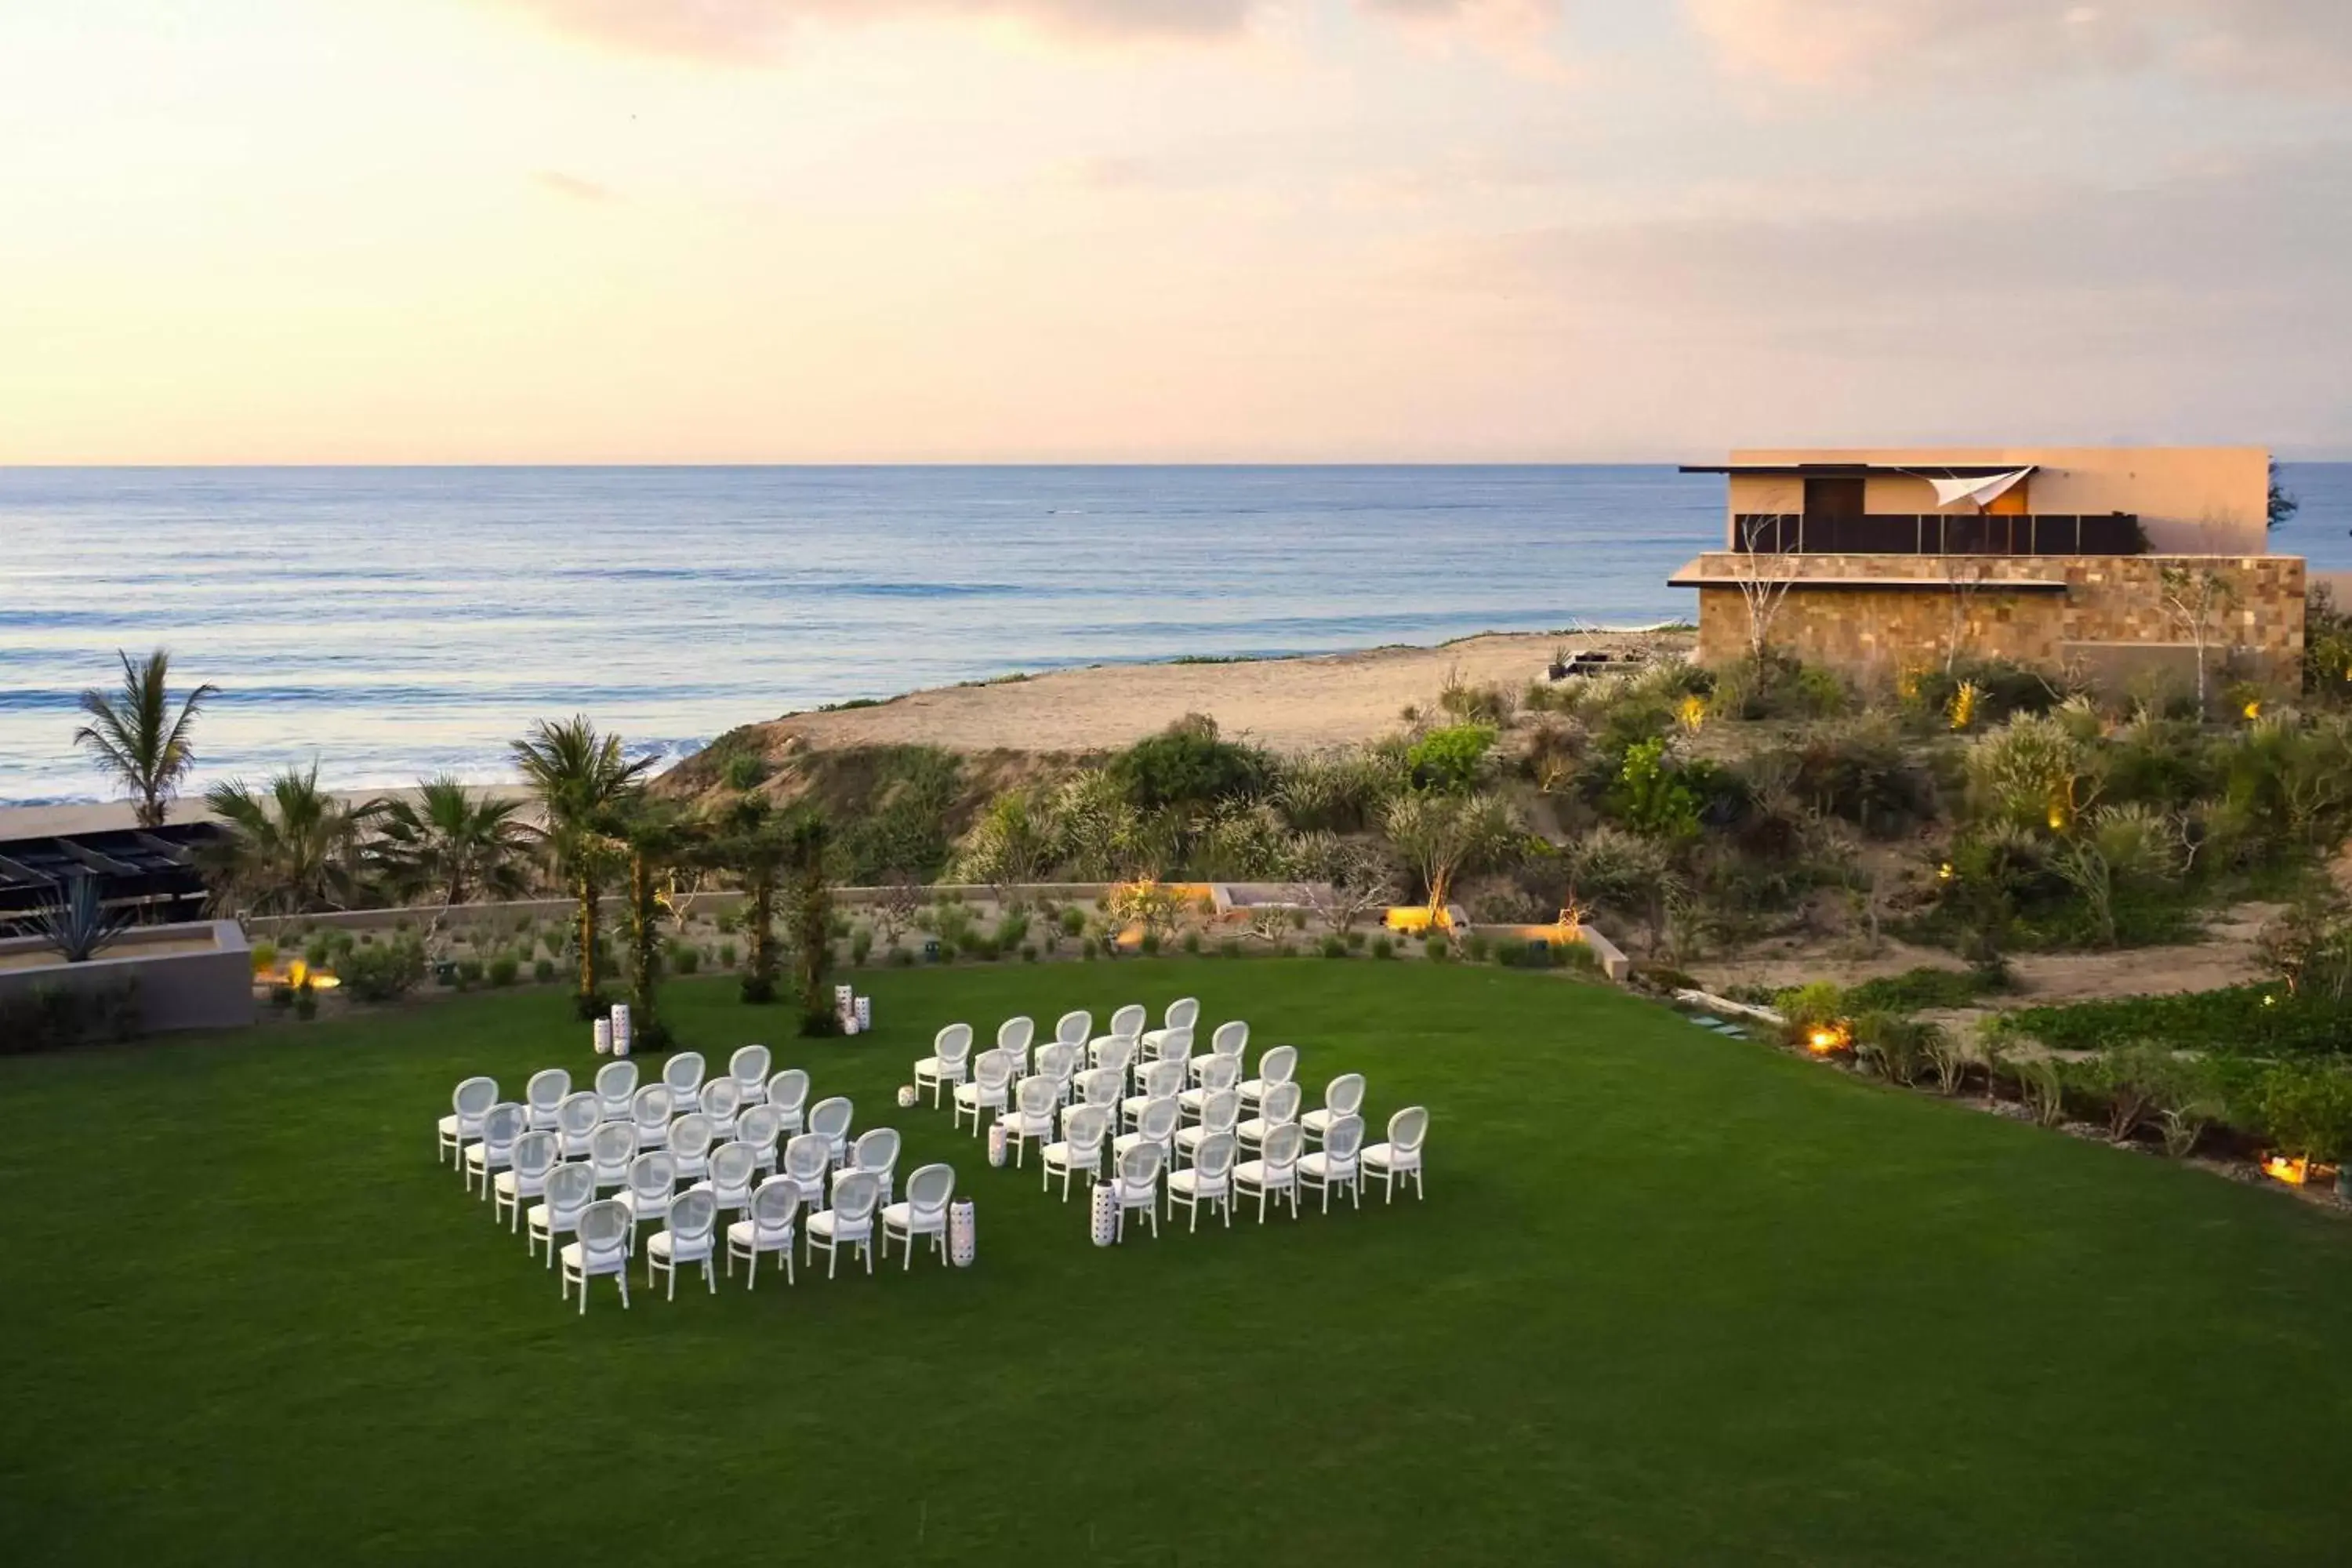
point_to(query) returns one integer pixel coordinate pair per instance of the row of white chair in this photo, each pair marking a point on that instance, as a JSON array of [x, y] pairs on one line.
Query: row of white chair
[[549, 1101], [1218, 1175], [1128, 1046]]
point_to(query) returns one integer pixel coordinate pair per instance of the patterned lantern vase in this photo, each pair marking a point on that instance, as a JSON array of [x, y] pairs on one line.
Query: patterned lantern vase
[[865, 1013], [621, 1031], [1106, 1214], [604, 1035], [996, 1144], [964, 1238], [906, 1097]]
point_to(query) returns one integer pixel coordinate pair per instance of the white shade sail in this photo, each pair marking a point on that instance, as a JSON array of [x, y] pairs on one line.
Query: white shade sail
[[1982, 490]]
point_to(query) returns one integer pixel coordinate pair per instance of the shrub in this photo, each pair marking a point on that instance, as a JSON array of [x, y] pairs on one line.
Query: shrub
[[1438, 947], [861, 943], [902, 958], [282, 996], [1451, 759], [1230, 948], [1333, 947], [1073, 921], [1012, 930], [1192, 943], [1897, 1049], [1477, 948], [744, 770], [683, 958], [1915, 989], [317, 953], [727, 954], [386, 973], [306, 1001], [1090, 949], [1188, 765], [265, 956], [470, 970], [2306, 1111], [2239, 1020], [543, 970], [504, 969], [1149, 946], [1473, 704], [1382, 947]]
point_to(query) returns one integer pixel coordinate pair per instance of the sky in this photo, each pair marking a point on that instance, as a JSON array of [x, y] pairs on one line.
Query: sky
[[457, 231]]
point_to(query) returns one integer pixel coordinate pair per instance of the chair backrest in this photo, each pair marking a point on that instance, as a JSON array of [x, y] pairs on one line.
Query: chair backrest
[[653, 1173], [617, 1081], [474, 1097], [732, 1166], [748, 1067], [546, 1088], [775, 1203], [1282, 1145], [1016, 1033], [580, 1113], [808, 1156], [652, 1106], [854, 1195], [603, 1227], [1128, 1021], [788, 1091], [1115, 1053], [1281, 1104], [1220, 1073], [1409, 1130], [1085, 1127], [994, 1069], [1343, 1137], [953, 1044], [1183, 1013], [877, 1149], [929, 1188], [1231, 1039], [832, 1117], [1176, 1046], [570, 1189], [1074, 1028], [1279, 1065], [1101, 1086], [721, 1099], [501, 1124], [1058, 1060], [1038, 1095], [1220, 1112], [692, 1215], [1158, 1123], [1215, 1158], [690, 1135], [1162, 1080], [683, 1073], [1139, 1166], [535, 1153], [760, 1127], [610, 1149], [1344, 1095]]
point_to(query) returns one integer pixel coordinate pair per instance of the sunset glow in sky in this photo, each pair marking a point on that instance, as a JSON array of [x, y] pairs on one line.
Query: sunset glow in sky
[[877, 230]]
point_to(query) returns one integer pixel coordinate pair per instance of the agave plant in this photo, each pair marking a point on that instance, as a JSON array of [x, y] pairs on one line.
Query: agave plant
[[78, 925]]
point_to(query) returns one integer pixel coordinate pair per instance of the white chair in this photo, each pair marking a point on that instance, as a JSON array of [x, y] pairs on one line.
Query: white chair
[[1128, 1022], [1343, 1096], [1173, 1046], [988, 1091], [650, 1112], [570, 1189], [1226, 1045], [653, 1181], [788, 1091], [688, 1239], [616, 1088], [1084, 1127], [535, 1154], [1014, 1038], [683, 1074], [876, 1155], [689, 1144], [1074, 1028], [808, 1159], [1113, 1053], [1161, 1080], [734, 1166], [749, 1068], [463, 1125], [1102, 1087], [576, 1121], [1217, 1075], [1220, 1113], [602, 1247], [1274, 1172], [1060, 1063], [775, 1205], [761, 1127], [1210, 1180], [612, 1150], [1280, 1110], [1278, 1065], [721, 1100], [848, 1223], [1156, 1126], [1400, 1157], [830, 1119], [1136, 1184], [1183, 1013], [544, 1093], [925, 1212], [1335, 1164], [948, 1064], [502, 1125], [1031, 1120]]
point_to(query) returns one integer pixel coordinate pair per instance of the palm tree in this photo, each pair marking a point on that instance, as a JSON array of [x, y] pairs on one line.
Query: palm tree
[[453, 843], [751, 841], [290, 847], [584, 786], [134, 735], [657, 839]]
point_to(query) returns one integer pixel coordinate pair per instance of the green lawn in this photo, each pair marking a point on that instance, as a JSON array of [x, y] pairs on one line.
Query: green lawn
[[1672, 1299]]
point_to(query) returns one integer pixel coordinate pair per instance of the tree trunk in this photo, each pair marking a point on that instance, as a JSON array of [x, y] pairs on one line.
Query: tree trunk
[[584, 887], [645, 949], [760, 975]]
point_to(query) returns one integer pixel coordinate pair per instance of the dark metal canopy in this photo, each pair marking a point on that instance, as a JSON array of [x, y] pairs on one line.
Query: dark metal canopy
[[1862, 470]]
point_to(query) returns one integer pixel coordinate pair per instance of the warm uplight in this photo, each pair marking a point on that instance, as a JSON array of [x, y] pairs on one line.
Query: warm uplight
[[2269, 1000], [2057, 819], [1962, 710], [1944, 872], [2294, 1173], [2255, 709], [295, 975], [1827, 1038], [1692, 713]]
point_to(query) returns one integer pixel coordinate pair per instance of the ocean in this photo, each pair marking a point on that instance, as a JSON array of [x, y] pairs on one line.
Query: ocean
[[396, 623]]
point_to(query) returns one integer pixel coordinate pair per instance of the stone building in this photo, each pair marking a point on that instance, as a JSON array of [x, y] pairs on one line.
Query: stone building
[[2115, 562]]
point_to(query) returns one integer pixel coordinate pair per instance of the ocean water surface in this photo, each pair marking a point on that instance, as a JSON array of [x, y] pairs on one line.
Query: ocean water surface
[[393, 623]]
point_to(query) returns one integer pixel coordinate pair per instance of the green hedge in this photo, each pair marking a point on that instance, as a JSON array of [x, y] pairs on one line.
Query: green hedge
[[2243, 1020]]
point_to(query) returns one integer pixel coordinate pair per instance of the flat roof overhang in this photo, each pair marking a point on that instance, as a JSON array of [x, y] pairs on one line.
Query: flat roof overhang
[[1862, 470], [1872, 584]]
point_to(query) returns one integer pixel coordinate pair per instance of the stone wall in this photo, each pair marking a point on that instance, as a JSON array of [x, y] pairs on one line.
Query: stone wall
[[2101, 613]]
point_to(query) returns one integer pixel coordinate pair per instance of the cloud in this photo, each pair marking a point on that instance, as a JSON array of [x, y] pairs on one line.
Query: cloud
[[2300, 44], [571, 187], [756, 29]]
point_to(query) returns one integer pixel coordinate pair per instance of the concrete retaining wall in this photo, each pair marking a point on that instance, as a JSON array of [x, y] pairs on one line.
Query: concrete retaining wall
[[206, 990]]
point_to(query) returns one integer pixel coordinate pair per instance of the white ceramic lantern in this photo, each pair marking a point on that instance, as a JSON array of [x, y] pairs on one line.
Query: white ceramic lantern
[[996, 1144], [865, 1013], [604, 1035], [906, 1097], [1106, 1214], [963, 1238]]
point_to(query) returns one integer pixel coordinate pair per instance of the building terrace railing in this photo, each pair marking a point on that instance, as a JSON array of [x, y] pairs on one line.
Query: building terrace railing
[[1938, 533]]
